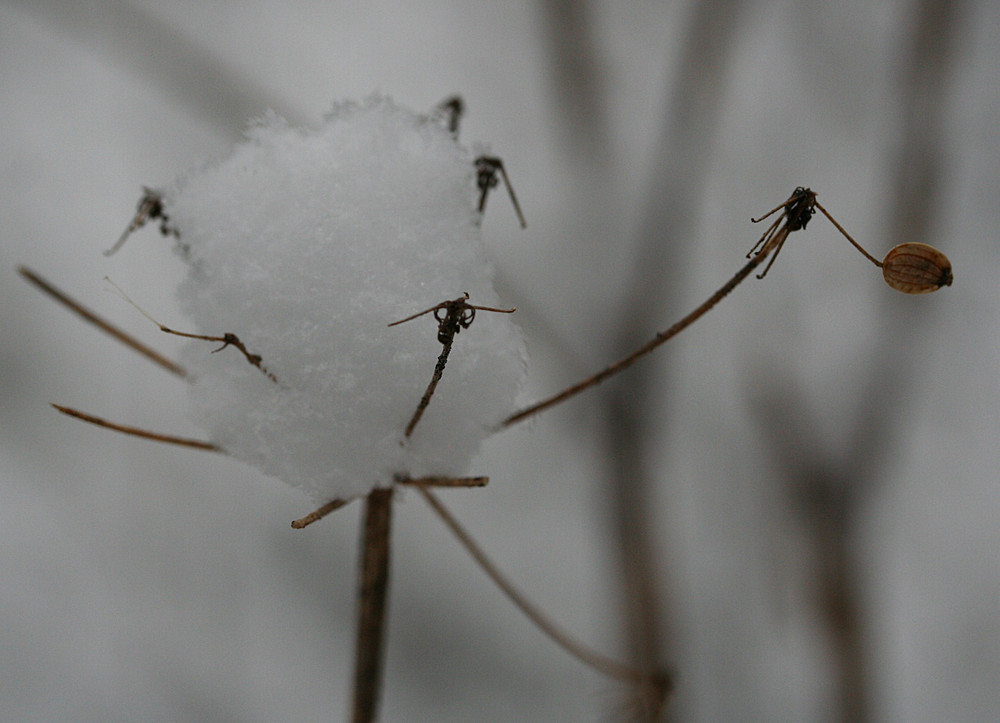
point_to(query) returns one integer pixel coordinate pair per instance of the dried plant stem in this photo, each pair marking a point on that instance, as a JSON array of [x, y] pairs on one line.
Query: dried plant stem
[[137, 432], [429, 392], [848, 236], [373, 588], [318, 514], [445, 481], [100, 323], [452, 316], [226, 339], [487, 168], [661, 338], [584, 654], [795, 214], [334, 505]]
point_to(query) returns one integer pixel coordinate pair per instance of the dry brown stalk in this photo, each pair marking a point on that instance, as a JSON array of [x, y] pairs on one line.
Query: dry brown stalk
[[795, 215], [226, 339], [657, 681], [452, 316], [487, 168], [318, 514], [445, 481], [373, 592], [105, 326], [137, 432]]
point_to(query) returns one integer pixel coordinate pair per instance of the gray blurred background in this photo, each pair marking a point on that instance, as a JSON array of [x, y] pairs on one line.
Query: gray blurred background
[[794, 506]]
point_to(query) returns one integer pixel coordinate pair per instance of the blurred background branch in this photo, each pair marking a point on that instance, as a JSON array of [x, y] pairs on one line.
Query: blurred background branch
[[162, 55], [827, 487]]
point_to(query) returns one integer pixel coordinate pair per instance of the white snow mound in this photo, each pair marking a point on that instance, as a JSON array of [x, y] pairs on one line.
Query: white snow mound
[[306, 244]]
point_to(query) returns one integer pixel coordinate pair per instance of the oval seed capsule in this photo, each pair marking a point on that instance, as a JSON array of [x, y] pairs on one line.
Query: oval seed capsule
[[916, 268]]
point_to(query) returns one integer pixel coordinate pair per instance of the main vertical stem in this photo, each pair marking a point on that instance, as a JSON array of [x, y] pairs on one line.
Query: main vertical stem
[[373, 591]]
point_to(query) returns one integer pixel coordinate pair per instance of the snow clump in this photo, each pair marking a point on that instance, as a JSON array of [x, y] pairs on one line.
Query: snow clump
[[306, 244]]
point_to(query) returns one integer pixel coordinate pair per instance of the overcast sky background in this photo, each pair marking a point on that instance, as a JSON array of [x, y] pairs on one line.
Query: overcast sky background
[[141, 581]]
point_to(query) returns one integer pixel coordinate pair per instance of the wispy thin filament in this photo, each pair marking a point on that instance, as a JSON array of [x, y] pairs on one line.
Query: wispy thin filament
[[589, 657]]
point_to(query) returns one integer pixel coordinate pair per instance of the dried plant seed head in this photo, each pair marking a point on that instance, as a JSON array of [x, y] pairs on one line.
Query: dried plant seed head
[[487, 170], [916, 268], [452, 109], [150, 206], [800, 208]]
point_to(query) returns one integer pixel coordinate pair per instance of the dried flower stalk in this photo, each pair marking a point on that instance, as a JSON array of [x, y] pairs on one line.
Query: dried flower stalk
[[452, 316], [934, 271], [137, 432]]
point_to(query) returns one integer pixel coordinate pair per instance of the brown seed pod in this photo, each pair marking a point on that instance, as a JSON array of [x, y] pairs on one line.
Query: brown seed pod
[[915, 268]]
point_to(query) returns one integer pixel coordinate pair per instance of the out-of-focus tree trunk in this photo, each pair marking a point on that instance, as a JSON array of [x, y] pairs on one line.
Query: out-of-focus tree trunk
[[828, 487], [683, 154]]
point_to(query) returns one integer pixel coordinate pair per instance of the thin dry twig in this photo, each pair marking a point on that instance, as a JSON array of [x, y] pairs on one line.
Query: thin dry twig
[[452, 316], [137, 432], [445, 481], [319, 513], [642, 351], [612, 668], [150, 207], [429, 392], [487, 168], [795, 215], [334, 505], [105, 326], [847, 235], [226, 339]]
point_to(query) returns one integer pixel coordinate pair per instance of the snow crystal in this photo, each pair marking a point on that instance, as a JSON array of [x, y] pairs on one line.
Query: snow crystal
[[306, 244]]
